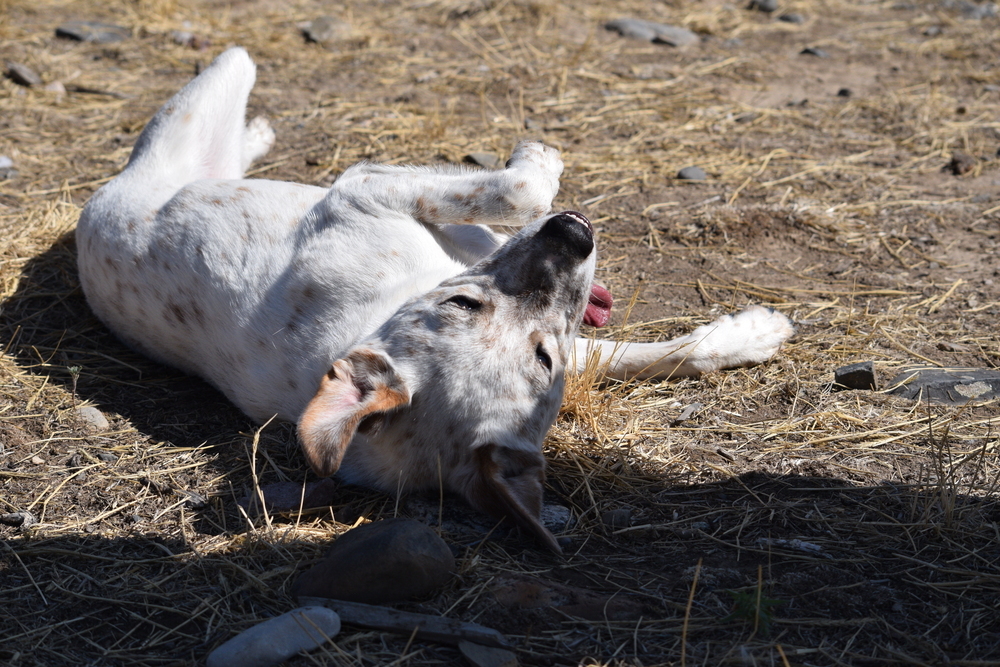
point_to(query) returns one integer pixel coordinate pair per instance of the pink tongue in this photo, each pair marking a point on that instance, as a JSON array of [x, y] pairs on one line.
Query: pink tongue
[[599, 308]]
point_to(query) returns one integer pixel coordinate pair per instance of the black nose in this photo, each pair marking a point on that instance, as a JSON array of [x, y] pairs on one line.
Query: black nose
[[569, 230]]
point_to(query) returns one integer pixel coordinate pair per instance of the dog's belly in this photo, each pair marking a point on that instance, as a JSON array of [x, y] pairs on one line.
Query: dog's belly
[[256, 286]]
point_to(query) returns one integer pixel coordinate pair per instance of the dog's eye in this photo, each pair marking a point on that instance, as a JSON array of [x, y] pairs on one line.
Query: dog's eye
[[543, 357], [464, 302]]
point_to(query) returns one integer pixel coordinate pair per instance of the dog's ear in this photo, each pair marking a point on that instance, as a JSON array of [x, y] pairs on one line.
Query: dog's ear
[[361, 384], [507, 484]]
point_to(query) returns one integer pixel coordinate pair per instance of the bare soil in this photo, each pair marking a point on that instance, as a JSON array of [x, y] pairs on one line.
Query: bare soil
[[782, 523]]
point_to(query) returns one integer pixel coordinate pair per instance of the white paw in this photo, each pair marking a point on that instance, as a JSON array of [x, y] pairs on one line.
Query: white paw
[[536, 155], [762, 330], [257, 139]]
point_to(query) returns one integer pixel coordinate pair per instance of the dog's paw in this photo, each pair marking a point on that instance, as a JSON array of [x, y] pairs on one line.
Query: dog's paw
[[762, 330], [257, 140], [536, 155], [538, 167]]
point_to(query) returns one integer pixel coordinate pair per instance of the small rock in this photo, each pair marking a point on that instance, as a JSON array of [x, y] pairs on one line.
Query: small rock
[[56, 87], [961, 163], [107, 457], [532, 125], [7, 170], [947, 346], [947, 385], [487, 656], [325, 29], [692, 174], [488, 160], [977, 12], [94, 417], [556, 517], [290, 496], [855, 376], [766, 6], [37, 460], [844, 92], [386, 561], [23, 75], [933, 31], [278, 639], [195, 500], [93, 31], [813, 51], [792, 17], [686, 414], [189, 39], [615, 519], [649, 31], [18, 519]]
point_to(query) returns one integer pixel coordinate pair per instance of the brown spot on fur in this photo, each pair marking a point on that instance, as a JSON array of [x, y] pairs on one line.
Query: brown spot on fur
[[179, 313], [520, 186], [186, 118]]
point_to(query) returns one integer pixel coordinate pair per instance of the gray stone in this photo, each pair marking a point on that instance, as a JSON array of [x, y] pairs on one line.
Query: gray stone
[[947, 385], [615, 519], [977, 12], [766, 6], [649, 31], [487, 656], [692, 174], [856, 376], [813, 51], [488, 160], [325, 29], [93, 31], [107, 457], [792, 17], [278, 639], [23, 75], [18, 519], [94, 417], [290, 496], [7, 170], [556, 517], [385, 561], [961, 163]]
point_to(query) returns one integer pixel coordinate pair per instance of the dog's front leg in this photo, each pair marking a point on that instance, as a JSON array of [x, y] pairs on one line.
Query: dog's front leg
[[519, 193]]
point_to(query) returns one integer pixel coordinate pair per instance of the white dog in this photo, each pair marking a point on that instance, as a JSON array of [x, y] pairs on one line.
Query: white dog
[[413, 345]]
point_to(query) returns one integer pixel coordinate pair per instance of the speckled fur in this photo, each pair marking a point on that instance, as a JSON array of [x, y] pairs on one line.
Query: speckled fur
[[349, 310]]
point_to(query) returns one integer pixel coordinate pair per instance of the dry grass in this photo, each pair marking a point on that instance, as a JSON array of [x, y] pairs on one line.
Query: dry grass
[[780, 524]]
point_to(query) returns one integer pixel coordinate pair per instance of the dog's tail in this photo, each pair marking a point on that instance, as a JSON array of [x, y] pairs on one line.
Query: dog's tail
[[201, 132]]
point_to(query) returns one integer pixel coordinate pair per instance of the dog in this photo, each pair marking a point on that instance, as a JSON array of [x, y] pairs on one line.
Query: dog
[[415, 344]]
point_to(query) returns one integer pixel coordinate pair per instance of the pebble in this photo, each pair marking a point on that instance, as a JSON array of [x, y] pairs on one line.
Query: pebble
[[488, 160], [325, 29], [289, 496], [532, 124], [7, 170], [648, 31], [386, 561], [933, 31], [813, 51], [556, 517], [692, 174], [977, 12], [94, 417], [961, 163], [856, 376], [792, 17], [107, 457], [23, 75], [93, 31], [947, 385], [18, 519], [619, 518], [487, 656], [766, 6], [844, 92], [37, 460], [278, 639]]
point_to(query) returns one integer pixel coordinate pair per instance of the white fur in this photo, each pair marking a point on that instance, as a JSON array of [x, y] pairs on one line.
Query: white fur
[[413, 344]]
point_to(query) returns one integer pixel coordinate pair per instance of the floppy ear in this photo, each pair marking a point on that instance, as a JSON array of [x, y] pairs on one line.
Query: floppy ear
[[508, 485], [362, 383]]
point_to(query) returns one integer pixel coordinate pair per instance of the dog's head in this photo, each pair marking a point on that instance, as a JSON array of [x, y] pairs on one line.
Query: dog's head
[[460, 386]]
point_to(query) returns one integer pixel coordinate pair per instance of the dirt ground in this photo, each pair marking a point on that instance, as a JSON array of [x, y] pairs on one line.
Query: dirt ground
[[781, 523]]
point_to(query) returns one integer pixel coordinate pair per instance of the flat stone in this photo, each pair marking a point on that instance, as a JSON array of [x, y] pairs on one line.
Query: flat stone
[[766, 6], [23, 75], [386, 561], [325, 29], [947, 385], [487, 656], [94, 417], [813, 51], [856, 376], [692, 174], [556, 517], [290, 496], [18, 519], [488, 160], [278, 639], [792, 17], [7, 169], [648, 31], [517, 591], [93, 31]]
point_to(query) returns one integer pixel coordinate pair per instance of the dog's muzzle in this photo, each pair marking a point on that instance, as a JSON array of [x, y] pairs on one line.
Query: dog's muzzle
[[572, 231]]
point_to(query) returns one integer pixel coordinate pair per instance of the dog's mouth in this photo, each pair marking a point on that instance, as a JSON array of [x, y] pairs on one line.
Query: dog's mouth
[[598, 312]]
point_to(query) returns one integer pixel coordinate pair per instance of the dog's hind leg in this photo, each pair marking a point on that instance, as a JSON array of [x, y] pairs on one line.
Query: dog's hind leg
[[201, 132], [749, 337], [516, 195]]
